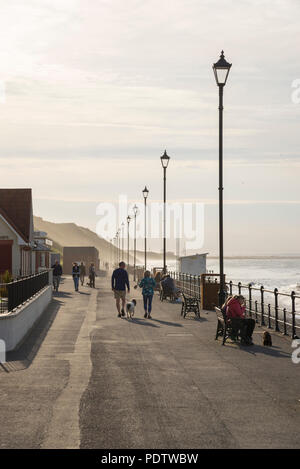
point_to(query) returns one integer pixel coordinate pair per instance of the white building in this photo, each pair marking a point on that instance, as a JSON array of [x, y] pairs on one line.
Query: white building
[[16, 232], [193, 265]]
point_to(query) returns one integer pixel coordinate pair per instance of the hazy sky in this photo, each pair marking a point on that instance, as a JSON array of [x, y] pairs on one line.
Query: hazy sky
[[93, 91]]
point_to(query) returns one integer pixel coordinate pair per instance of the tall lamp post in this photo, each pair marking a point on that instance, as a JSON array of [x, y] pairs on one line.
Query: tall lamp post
[[145, 194], [118, 245], [221, 71], [122, 236], [165, 161], [135, 212], [128, 222]]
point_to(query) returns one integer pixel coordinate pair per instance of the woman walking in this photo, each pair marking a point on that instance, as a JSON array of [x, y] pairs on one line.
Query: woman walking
[[148, 285], [76, 274]]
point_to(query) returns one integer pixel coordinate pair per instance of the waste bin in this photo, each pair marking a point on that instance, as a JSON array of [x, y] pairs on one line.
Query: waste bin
[[210, 286]]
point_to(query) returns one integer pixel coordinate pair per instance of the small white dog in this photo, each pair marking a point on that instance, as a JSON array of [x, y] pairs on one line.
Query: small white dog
[[130, 308]]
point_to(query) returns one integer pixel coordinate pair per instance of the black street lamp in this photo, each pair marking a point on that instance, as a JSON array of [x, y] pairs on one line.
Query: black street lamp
[[135, 211], [122, 236], [165, 161], [145, 194], [221, 71], [128, 221], [118, 245]]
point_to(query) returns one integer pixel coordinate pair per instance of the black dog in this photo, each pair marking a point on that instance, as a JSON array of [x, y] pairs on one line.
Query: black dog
[[267, 339]]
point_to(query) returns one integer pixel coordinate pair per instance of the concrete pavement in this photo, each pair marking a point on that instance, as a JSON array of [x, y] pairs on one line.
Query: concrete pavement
[[91, 380]]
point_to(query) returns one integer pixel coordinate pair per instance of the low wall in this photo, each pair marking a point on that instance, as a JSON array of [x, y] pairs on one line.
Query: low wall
[[15, 326]]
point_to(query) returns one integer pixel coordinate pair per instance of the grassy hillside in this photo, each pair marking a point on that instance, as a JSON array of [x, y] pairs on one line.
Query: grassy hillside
[[70, 234]]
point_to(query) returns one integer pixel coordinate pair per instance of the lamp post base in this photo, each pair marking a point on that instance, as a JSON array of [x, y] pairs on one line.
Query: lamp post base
[[222, 297]]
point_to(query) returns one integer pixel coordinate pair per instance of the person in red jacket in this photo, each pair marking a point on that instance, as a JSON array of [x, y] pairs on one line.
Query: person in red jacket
[[235, 311]]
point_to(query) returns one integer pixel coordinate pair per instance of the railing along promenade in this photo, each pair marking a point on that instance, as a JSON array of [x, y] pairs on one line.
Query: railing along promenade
[[270, 308], [16, 293]]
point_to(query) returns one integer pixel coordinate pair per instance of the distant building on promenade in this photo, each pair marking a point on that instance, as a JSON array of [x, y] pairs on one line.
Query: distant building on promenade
[[194, 264], [42, 251], [16, 232], [54, 256], [85, 254]]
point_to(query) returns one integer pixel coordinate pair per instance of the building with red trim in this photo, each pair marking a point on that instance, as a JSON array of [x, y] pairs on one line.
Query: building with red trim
[[16, 232]]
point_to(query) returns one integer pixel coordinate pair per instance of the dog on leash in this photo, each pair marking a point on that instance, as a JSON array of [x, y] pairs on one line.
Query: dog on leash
[[267, 339], [130, 306]]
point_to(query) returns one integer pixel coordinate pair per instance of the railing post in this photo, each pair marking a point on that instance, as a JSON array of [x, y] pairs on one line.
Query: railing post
[[269, 316], [262, 319], [293, 294], [256, 310], [284, 321], [276, 309], [240, 288], [230, 287], [250, 298]]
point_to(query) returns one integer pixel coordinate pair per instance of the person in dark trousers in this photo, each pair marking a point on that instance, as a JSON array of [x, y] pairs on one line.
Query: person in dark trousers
[[76, 275], [57, 273], [147, 284], [169, 283], [119, 282], [92, 275], [82, 272]]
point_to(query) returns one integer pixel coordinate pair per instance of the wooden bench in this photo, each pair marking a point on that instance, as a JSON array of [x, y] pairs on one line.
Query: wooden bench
[[224, 327], [190, 305]]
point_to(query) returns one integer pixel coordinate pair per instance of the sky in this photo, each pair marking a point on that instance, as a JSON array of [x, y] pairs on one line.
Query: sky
[[92, 92]]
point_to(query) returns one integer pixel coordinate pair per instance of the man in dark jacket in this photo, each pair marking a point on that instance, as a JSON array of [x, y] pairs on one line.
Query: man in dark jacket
[[92, 275], [119, 282], [82, 272], [57, 273], [76, 275]]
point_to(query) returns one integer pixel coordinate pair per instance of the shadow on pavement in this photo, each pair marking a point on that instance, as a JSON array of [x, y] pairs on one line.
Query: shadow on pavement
[[255, 349], [167, 323], [23, 357], [193, 318], [61, 294], [143, 322]]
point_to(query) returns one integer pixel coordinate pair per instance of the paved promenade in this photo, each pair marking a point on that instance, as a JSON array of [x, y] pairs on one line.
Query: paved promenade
[[87, 379]]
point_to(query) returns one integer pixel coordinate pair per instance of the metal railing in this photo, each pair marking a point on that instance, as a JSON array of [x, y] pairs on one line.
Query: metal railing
[[270, 308], [16, 293], [188, 284]]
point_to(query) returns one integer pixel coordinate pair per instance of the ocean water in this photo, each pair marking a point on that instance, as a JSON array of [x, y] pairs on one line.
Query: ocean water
[[283, 274], [280, 273]]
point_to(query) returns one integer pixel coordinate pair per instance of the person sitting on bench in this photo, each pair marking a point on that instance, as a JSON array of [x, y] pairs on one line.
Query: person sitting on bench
[[235, 311], [169, 284]]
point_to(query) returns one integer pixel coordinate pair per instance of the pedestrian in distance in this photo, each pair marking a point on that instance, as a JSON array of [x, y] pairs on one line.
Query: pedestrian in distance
[[76, 275], [82, 272], [92, 275], [119, 282], [147, 284], [57, 273]]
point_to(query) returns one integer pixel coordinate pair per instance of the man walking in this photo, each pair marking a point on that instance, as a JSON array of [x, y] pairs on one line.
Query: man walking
[[92, 275], [75, 275], [82, 273], [57, 273], [119, 282]]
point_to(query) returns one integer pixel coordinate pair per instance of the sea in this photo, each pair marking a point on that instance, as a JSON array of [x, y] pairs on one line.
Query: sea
[[281, 273]]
